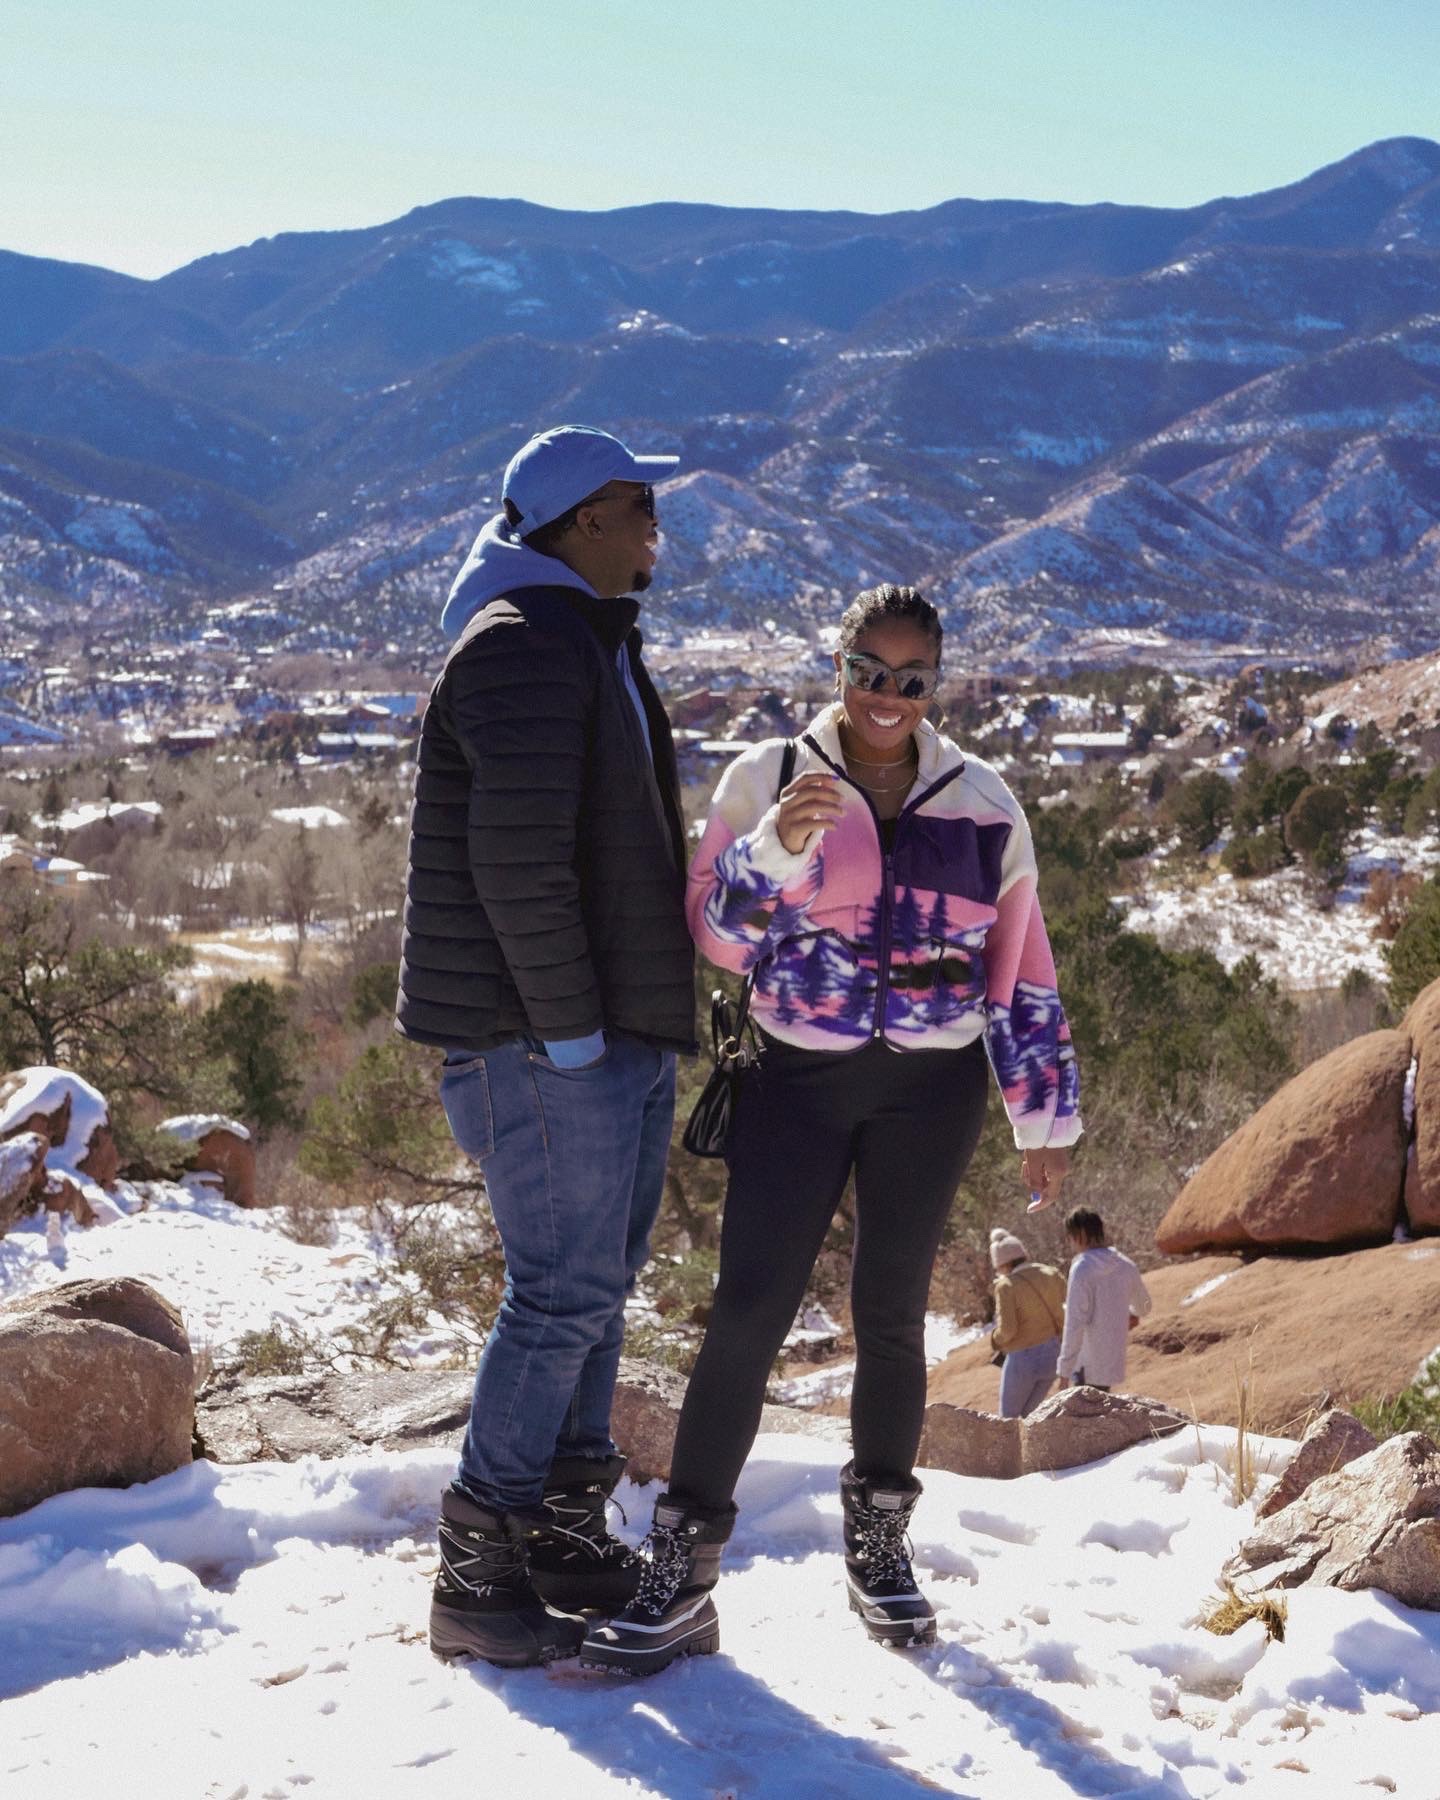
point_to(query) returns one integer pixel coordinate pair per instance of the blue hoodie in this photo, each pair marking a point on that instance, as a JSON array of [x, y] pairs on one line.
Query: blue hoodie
[[499, 563]]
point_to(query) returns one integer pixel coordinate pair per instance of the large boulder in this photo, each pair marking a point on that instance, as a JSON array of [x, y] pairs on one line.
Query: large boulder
[[1422, 1172], [1321, 1163], [1335, 1439], [1373, 1524], [218, 1146], [70, 1114], [1071, 1427], [96, 1390], [969, 1442], [22, 1176], [1079, 1425]]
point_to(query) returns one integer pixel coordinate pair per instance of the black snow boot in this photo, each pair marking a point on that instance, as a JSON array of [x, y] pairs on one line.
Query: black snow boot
[[575, 1562], [484, 1603], [878, 1575], [672, 1613]]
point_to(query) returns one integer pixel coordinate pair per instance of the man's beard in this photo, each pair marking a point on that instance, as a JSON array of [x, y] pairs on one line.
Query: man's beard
[[643, 578]]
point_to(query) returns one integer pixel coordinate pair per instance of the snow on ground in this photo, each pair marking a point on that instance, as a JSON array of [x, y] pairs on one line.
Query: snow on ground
[[228, 1270], [1275, 919], [257, 1632], [835, 1380], [227, 1634]]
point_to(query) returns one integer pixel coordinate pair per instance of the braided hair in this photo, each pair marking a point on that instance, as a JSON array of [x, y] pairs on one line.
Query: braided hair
[[880, 605]]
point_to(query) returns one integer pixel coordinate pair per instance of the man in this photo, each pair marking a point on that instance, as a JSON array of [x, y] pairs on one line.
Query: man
[[545, 951], [1029, 1311], [1104, 1298]]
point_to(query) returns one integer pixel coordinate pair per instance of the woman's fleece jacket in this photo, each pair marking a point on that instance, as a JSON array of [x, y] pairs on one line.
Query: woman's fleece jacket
[[926, 946]]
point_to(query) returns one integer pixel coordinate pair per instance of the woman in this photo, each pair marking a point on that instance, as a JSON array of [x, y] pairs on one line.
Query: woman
[[1029, 1314], [886, 902]]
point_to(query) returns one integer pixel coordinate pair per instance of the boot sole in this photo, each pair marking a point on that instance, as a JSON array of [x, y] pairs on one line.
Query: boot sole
[[704, 1640], [455, 1643], [899, 1634]]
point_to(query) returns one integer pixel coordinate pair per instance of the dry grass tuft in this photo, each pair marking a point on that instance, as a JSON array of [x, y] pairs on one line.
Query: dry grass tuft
[[1227, 1615]]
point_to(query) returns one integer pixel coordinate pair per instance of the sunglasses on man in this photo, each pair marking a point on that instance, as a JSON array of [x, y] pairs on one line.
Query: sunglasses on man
[[869, 674], [645, 499]]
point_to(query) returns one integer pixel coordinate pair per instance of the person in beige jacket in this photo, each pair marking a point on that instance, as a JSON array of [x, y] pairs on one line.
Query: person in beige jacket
[[1029, 1313]]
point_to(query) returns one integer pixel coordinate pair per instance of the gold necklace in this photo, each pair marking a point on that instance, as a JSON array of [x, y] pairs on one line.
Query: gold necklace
[[885, 787]]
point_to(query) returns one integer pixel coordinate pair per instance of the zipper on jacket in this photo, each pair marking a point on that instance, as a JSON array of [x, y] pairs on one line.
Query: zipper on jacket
[[887, 878]]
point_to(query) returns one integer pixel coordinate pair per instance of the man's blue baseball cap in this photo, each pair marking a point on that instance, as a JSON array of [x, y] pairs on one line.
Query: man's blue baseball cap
[[567, 464]]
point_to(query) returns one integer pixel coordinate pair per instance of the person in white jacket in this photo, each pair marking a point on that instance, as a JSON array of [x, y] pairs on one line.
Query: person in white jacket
[[1103, 1299]]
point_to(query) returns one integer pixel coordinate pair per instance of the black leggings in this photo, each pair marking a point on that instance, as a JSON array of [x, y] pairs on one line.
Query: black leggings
[[907, 1123]]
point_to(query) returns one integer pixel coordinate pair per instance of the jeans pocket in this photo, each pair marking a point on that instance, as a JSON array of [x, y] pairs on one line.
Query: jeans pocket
[[542, 1061], [465, 1096]]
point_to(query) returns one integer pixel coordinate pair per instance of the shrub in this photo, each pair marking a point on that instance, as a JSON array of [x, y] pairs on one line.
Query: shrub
[[1198, 808], [1415, 1408], [1414, 957]]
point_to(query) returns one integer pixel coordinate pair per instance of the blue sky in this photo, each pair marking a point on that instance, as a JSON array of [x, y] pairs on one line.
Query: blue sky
[[142, 135]]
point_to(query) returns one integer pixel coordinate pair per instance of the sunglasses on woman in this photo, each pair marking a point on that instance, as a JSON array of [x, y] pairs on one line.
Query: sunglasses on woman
[[869, 674]]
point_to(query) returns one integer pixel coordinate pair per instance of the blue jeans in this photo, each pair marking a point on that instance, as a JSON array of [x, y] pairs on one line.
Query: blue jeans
[[574, 1165], [1026, 1378]]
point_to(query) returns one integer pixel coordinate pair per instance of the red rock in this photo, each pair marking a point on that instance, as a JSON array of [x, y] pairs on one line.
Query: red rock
[[22, 1175], [1373, 1524], [970, 1443], [1287, 1323], [1322, 1162], [101, 1162], [232, 1158], [1335, 1439], [96, 1390]]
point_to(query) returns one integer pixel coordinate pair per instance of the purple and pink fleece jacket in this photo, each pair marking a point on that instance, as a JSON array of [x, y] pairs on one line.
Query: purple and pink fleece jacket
[[926, 947]]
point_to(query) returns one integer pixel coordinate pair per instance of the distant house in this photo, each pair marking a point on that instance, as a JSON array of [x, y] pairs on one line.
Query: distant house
[[1074, 747], [187, 742], [97, 827], [20, 859]]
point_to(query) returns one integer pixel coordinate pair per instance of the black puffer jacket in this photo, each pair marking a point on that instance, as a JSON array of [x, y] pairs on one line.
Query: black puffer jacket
[[546, 879]]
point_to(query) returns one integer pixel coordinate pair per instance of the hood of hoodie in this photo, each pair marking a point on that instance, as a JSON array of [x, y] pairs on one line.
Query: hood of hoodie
[[499, 563]]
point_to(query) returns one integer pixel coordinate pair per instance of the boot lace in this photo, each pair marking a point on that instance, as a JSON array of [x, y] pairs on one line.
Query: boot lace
[[883, 1545], [481, 1565], [577, 1519], [666, 1558]]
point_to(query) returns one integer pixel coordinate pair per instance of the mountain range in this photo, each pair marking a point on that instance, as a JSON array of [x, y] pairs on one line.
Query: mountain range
[[1088, 431]]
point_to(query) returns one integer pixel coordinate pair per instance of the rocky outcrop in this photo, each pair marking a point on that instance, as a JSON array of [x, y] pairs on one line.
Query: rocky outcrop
[[96, 1390], [222, 1147], [326, 1413], [1074, 1426], [969, 1442], [1311, 1331], [1080, 1425], [72, 1118], [277, 1418], [1422, 1172], [22, 1176], [1372, 1524], [1335, 1439], [1321, 1163]]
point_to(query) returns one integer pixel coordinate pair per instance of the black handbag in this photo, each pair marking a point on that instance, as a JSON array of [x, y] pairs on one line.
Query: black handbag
[[732, 1036]]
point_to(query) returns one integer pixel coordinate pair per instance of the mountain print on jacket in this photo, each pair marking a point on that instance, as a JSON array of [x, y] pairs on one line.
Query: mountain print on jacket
[[927, 947]]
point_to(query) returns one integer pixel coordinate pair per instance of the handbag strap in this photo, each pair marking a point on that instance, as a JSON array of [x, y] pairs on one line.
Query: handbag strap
[[742, 1006]]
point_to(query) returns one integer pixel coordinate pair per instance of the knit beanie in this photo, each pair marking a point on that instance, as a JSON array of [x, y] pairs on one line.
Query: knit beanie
[[1005, 1247]]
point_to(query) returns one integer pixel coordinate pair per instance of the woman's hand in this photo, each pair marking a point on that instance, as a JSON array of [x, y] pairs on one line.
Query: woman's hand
[[1043, 1172], [811, 803]]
